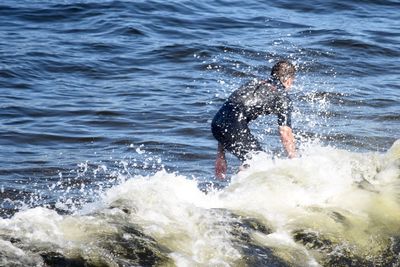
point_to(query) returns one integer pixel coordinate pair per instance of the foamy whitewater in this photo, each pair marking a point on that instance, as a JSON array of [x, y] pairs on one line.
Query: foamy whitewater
[[106, 153], [329, 207]]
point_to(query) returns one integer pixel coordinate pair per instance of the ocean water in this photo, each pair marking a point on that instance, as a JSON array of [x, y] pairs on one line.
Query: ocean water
[[106, 154]]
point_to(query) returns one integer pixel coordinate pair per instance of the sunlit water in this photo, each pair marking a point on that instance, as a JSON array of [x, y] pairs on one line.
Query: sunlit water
[[276, 213], [107, 155]]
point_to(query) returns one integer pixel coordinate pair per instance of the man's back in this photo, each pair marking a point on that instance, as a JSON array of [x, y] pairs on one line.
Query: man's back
[[254, 99]]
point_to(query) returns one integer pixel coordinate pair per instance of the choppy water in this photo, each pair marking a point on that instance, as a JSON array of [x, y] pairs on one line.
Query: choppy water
[[106, 150]]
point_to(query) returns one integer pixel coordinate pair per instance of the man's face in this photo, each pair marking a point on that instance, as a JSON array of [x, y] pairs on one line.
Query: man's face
[[288, 83]]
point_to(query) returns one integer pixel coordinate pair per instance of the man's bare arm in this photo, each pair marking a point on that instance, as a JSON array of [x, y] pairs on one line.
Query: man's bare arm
[[288, 140]]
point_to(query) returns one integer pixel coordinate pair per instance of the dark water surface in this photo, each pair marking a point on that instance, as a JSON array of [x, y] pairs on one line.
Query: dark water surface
[[87, 81], [91, 82], [93, 92]]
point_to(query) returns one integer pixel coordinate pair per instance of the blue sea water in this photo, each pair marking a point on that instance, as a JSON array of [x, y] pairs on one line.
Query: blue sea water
[[94, 93]]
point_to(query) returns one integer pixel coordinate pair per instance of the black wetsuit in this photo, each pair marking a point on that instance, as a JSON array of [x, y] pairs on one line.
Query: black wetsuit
[[230, 124]]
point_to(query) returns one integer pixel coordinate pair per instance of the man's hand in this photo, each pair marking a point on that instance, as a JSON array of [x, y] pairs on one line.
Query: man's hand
[[288, 141], [220, 163]]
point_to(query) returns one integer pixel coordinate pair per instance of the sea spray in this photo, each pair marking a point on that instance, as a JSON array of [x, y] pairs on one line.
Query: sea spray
[[174, 211], [341, 206], [329, 207]]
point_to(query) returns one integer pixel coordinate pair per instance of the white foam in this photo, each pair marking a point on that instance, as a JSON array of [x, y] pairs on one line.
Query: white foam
[[339, 194]]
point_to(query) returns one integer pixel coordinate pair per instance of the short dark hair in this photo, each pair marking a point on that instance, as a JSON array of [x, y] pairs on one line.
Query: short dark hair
[[283, 70]]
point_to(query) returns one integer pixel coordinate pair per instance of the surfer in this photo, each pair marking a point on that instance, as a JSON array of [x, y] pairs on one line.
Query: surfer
[[230, 125]]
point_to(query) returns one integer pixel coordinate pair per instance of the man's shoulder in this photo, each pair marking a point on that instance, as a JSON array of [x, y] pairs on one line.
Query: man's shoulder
[[255, 84], [258, 82]]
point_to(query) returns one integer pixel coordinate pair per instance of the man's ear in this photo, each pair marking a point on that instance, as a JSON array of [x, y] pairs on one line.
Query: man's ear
[[288, 83]]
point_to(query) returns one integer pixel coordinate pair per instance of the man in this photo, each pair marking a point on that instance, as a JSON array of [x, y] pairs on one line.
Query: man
[[230, 125]]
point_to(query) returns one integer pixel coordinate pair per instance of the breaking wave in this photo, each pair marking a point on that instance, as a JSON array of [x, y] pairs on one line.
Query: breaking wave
[[329, 207]]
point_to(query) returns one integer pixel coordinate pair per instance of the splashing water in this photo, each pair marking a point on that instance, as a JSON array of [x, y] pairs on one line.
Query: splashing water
[[329, 207]]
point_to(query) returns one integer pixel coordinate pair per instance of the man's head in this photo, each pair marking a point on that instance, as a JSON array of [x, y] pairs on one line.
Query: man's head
[[284, 71]]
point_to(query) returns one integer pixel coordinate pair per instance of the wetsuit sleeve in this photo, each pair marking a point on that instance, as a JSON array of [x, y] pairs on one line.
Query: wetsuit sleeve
[[284, 113]]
